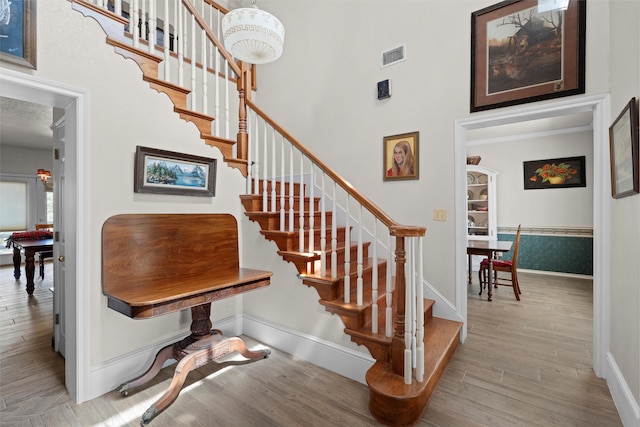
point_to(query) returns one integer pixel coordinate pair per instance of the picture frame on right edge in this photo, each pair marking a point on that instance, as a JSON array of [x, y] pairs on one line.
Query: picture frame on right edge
[[623, 144]]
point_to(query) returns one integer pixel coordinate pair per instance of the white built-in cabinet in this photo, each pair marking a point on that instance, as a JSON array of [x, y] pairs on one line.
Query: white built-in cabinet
[[481, 203]]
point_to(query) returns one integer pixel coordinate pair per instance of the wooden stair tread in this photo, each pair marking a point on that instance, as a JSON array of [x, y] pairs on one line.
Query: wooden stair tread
[[395, 403], [441, 336]]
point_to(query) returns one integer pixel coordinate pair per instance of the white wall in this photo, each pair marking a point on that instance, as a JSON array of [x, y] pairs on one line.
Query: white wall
[[25, 160], [553, 207], [625, 251], [329, 70]]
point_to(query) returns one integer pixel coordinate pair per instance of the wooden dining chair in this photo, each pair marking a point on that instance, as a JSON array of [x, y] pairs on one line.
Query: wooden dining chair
[[46, 254], [504, 266]]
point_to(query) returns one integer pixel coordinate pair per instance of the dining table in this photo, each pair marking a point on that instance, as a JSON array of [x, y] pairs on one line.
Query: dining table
[[489, 249], [30, 248]]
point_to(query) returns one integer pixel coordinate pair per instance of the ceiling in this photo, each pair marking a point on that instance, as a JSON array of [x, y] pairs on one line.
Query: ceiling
[[25, 124]]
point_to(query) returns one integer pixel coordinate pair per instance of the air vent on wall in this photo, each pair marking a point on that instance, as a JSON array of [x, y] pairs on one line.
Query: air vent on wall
[[393, 56]]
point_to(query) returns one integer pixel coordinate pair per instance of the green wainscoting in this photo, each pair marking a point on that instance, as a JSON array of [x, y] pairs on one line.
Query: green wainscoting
[[549, 252]]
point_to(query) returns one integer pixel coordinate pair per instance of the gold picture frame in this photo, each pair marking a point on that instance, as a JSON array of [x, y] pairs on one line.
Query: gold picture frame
[[400, 154]]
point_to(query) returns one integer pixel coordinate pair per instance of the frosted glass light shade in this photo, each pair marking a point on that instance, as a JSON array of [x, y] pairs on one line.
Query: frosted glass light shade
[[253, 35]]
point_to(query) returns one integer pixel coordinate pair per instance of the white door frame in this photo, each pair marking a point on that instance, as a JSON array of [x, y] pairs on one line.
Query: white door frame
[[75, 102], [599, 106]]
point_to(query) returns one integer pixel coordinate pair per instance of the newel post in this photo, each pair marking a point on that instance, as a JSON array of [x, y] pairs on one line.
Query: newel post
[[244, 93], [397, 342]]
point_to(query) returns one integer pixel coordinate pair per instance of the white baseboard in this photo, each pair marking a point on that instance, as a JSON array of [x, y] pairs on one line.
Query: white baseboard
[[108, 375], [342, 360], [627, 406]]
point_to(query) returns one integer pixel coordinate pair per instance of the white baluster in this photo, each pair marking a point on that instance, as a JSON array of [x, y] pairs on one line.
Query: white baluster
[[152, 26], [143, 19], [291, 190], [256, 164], [408, 321], [249, 158], [420, 318], [359, 281], [282, 185], [166, 41], [180, 45], [118, 7], [226, 99], [216, 101], [412, 283], [301, 206], [265, 182], [311, 209], [347, 256], [273, 171], [133, 23], [323, 229], [374, 279], [389, 286], [194, 89], [205, 73], [334, 235]]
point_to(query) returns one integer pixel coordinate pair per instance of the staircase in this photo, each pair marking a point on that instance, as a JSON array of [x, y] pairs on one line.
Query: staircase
[[392, 401], [372, 280]]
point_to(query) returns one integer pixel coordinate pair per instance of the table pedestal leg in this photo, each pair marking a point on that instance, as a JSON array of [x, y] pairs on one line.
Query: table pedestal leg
[[29, 269], [193, 352], [489, 281], [17, 259]]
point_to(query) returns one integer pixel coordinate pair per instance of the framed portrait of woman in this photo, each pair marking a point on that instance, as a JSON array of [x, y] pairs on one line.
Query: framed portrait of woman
[[400, 155]]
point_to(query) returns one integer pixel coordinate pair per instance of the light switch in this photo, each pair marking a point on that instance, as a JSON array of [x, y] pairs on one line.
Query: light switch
[[439, 214]]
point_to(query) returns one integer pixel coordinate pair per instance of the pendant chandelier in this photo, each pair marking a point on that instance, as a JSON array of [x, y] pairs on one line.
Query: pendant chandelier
[[253, 35]]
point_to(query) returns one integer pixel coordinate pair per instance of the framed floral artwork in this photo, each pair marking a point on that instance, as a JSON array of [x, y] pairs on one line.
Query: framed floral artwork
[[563, 172]]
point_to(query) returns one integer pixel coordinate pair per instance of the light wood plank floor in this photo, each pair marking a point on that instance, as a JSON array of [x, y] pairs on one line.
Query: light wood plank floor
[[523, 364]]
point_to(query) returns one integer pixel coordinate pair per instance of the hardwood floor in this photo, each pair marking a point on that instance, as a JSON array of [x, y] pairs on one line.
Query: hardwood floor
[[524, 363]]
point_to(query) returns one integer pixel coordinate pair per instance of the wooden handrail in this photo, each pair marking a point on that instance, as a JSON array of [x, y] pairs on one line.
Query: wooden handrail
[[232, 63], [215, 5], [395, 228]]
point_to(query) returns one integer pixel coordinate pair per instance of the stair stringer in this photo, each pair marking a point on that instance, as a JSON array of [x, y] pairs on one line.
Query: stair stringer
[[114, 27]]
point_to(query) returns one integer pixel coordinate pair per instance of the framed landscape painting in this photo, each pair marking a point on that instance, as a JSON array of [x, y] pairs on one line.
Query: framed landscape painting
[[623, 144], [523, 52], [18, 32], [167, 172]]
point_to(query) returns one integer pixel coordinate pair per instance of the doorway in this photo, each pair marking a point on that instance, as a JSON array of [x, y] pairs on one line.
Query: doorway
[[74, 306], [598, 106]]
